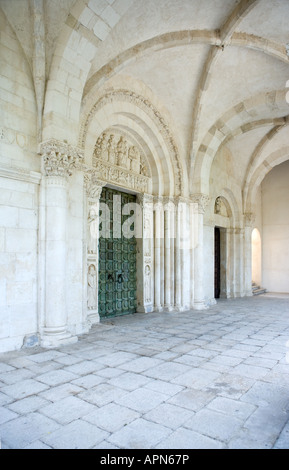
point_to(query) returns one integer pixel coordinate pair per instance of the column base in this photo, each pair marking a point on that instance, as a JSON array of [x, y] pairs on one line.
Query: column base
[[169, 308], [145, 309], [93, 318], [158, 308], [53, 338], [180, 308], [200, 305]]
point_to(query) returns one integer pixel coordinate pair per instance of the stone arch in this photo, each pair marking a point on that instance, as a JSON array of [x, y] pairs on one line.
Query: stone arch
[[180, 38], [237, 116], [276, 158], [224, 217], [257, 159], [86, 26], [136, 115]]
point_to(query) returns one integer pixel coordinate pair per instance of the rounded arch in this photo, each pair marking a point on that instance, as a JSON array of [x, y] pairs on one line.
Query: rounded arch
[[138, 117], [239, 115], [231, 205], [275, 158]]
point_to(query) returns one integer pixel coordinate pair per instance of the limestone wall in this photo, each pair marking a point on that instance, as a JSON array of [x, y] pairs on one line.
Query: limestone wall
[[19, 184], [275, 196], [18, 260]]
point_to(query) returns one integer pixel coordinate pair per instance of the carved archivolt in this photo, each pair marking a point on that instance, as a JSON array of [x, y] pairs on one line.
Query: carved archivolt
[[152, 112]]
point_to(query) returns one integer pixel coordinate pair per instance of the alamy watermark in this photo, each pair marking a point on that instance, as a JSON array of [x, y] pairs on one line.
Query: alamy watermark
[[174, 221]]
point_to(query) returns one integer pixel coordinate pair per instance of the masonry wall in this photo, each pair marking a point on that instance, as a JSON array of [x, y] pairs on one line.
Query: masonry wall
[[275, 213], [19, 184], [18, 262]]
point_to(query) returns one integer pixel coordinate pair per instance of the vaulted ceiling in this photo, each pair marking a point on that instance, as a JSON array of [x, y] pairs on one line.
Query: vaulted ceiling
[[216, 69]]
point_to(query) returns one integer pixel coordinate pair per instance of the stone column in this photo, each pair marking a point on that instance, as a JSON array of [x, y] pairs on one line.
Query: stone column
[[199, 303], [239, 276], [158, 207], [182, 255], [249, 219], [145, 219], [58, 161], [93, 192], [168, 247]]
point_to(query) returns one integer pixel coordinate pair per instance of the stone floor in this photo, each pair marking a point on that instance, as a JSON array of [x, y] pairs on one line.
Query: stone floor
[[211, 379]]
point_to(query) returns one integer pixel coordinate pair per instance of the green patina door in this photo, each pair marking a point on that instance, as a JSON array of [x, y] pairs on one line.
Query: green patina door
[[117, 255]]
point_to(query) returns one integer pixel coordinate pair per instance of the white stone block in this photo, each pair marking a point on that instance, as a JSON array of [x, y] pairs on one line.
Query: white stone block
[[2, 239], [86, 17], [4, 323], [101, 30], [23, 319], [73, 109], [121, 6], [25, 267], [2, 292], [97, 6], [110, 16], [8, 216], [28, 219], [55, 102], [16, 198], [19, 293], [21, 240]]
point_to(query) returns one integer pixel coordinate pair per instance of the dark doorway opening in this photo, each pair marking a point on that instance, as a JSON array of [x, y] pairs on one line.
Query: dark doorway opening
[[217, 263]]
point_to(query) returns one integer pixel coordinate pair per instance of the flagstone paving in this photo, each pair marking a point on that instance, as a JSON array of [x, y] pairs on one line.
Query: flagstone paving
[[192, 380]]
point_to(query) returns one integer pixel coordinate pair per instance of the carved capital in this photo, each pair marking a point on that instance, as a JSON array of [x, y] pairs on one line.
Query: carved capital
[[158, 203], [169, 204], [60, 158], [202, 200], [145, 200], [93, 185], [249, 218]]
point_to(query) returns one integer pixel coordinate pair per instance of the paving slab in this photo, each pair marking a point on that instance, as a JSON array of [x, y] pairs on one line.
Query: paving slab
[[187, 439], [76, 435], [111, 417], [189, 380], [68, 409], [214, 424], [140, 434]]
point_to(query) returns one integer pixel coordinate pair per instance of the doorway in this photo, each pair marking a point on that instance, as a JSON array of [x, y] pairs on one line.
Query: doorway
[[217, 265], [117, 256]]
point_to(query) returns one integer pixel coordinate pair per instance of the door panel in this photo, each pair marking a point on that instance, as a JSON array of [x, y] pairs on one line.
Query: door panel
[[117, 261]]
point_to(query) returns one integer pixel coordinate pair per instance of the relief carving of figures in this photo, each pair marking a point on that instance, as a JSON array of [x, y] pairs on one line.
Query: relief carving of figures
[[97, 148], [147, 236], [122, 153], [111, 149], [134, 157], [220, 207], [92, 227], [116, 159], [103, 146], [91, 287], [143, 169], [147, 284]]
